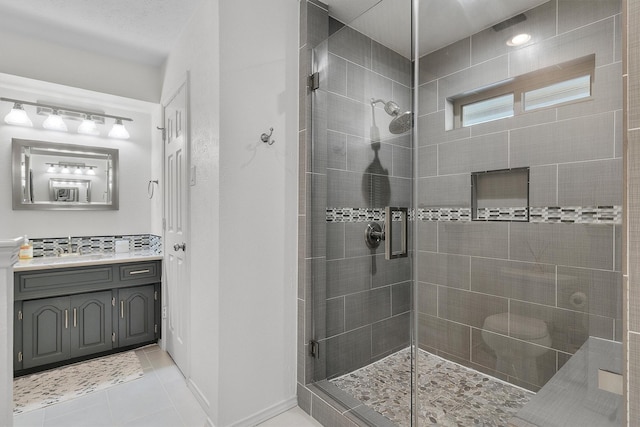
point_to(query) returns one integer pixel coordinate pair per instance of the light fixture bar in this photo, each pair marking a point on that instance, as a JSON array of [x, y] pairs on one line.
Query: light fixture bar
[[66, 109]]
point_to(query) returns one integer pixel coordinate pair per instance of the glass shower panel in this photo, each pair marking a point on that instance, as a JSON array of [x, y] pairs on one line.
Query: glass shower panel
[[510, 310], [361, 164]]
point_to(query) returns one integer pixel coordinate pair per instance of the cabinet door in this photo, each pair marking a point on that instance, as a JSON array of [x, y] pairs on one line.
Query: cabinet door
[[90, 323], [136, 315], [45, 331]]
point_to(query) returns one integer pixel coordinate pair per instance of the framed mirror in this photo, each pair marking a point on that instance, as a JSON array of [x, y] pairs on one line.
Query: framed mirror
[[53, 176]]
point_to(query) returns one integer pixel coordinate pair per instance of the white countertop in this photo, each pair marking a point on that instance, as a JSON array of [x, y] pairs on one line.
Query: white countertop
[[44, 263]]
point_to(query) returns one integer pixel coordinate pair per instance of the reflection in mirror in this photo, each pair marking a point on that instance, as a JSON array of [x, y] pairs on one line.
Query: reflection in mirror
[[49, 175]]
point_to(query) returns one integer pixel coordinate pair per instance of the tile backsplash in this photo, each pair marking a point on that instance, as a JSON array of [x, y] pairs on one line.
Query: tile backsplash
[[47, 246]]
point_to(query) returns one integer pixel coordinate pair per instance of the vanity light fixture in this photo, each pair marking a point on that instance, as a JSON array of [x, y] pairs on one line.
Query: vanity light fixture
[[65, 169], [90, 119], [55, 122], [91, 171], [51, 168], [88, 126], [118, 130], [17, 116]]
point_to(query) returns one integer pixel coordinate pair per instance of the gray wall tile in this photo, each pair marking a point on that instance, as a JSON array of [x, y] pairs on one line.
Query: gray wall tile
[[367, 307], [480, 75], [520, 365], [579, 245], [355, 245], [428, 98], [348, 351], [363, 84], [543, 186], [361, 156], [445, 61], [400, 298], [346, 276], [351, 45], [445, 191], [326, 415], [444, 269], [584, 138], [348, 116], [569, 329], [590, 183], [402, 162], [390, 271], [520, 280], [336, 150], [390, 335], [450, 337], [482, 153], [427, 298], [428, 161], [335, 240], [431, 130], [573, 14], [402, 96], [390, 64], [595, 292], [344, 189], [427, 236], [335, 316], [317, 25], [488, 239], [469, 308], [595, 38], [337, 75]]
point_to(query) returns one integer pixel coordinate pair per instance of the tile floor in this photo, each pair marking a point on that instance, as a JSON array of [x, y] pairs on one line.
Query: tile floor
[[160, 398]]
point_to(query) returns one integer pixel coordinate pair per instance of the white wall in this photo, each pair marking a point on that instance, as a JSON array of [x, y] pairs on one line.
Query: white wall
[[197, 52], [134, 215], [43, 60], [242, 62]]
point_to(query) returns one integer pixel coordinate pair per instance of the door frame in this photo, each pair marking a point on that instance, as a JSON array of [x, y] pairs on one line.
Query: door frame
[[184, 81]]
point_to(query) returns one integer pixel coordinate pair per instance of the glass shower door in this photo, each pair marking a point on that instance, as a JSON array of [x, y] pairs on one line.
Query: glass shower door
[[361, 163]]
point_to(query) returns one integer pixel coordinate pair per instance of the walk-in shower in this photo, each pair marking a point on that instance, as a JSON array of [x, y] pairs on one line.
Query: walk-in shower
[[500, 167]]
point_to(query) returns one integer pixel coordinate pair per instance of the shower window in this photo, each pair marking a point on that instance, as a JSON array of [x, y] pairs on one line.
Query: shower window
[[549, 87]]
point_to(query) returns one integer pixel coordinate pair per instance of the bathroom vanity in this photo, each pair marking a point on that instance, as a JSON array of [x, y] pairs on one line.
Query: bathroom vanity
[[67, 309]]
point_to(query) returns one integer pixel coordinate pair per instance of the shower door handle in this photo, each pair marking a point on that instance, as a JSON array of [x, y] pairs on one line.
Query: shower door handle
[[389, 232]]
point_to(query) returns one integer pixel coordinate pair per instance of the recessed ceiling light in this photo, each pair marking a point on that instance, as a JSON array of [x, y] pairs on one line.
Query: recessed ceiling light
[[519, 39]]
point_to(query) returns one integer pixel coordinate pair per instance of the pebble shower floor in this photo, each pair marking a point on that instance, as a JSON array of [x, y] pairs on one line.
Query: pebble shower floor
[[448, 394]]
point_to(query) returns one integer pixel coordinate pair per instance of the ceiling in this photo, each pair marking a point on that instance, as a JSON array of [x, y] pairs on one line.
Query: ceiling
[[442, 22], [144, 31]]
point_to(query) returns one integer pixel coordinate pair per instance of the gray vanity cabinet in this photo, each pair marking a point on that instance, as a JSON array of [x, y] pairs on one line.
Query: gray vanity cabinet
[[73, 313], [56, 329], [137, 311]]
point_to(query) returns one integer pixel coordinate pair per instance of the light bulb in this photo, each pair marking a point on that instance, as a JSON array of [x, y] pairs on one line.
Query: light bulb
[[55, 122], [65, 169], [118, 130], [17, 116], [51, 168], [78, 171], [519, 39], [91, 171], [88, 127]]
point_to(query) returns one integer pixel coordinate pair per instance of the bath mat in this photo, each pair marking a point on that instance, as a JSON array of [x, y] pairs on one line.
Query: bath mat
[[68, 382]]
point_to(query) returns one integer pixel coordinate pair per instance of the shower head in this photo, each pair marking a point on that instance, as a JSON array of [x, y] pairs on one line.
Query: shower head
[[401, 122]]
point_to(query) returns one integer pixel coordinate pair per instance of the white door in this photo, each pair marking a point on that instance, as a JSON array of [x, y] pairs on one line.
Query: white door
[[177, 292]]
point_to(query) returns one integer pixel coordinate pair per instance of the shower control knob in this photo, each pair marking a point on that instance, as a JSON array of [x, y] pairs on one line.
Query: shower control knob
[[182, 246]]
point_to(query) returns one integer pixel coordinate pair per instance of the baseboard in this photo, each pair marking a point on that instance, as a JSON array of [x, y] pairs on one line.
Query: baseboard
[[268, 413]]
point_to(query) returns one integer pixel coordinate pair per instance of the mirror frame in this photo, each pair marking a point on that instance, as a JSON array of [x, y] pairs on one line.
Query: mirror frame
[[16, 157]]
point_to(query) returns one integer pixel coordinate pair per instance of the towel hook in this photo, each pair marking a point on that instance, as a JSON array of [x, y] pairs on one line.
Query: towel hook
[[151, 187], [267, 138]]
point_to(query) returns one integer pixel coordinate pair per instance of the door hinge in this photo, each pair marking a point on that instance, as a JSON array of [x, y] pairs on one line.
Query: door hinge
[[19, 314], [314, 81], [155, 295], [113, 337], [314, 349], [113, 301], [155, 328], [19, 356]]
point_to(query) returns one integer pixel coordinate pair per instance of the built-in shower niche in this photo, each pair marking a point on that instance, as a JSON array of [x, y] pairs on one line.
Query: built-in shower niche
[[500, 195]]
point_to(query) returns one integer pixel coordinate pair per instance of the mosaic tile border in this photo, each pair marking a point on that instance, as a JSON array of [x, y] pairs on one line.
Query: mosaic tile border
[[47, 246], [550, 214]]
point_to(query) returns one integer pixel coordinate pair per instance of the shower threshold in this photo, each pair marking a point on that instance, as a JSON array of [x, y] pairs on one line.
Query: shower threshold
[[449, 394]]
